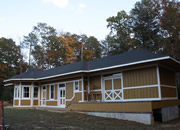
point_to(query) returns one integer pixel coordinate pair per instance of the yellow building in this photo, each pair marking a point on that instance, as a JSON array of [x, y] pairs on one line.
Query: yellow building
[[138, 83]]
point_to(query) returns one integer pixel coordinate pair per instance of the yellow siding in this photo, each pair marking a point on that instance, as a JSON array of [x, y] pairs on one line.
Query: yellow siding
[[16, 102], [85, 95], [25, 102], [69, 90], [85, 85], [95, 82], [78, 97], [141, 93], [56, 91], [108, 84], [51, 103], [113, 107], [35, 102], [117, 83], [164, 103], [167, 77], [168, 92], [140, 77], [47, 92]]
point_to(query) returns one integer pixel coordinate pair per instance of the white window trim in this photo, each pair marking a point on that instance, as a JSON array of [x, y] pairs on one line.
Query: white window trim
[[50, 92], [18, 91], [41, 100], [74, 86], [37, 93], [23, 86]]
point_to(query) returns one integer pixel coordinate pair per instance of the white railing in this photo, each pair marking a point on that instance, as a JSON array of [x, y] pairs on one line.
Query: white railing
[[113, 95]]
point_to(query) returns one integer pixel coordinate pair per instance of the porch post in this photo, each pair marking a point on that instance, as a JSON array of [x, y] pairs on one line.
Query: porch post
[[122, 86], [102, 88], [158, 81], [32, 89], [20, 93], [39, 93], [82, 89]]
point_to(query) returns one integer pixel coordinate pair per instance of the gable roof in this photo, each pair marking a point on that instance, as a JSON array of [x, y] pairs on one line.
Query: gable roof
[[124, 59]]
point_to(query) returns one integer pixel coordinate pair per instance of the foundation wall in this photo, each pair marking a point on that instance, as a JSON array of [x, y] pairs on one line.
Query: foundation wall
[[145, 118]]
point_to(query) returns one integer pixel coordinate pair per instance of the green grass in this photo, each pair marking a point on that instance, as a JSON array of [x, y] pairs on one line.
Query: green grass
[[28, 119]]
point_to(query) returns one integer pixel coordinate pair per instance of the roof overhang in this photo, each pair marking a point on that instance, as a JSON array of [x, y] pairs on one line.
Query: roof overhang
[[10, 84], [161, 59]]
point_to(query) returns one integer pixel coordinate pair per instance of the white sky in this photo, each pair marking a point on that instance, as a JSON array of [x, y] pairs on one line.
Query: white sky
[[17, 17]]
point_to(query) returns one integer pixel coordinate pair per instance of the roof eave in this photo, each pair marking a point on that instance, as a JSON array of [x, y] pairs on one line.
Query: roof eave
[[94, 70]]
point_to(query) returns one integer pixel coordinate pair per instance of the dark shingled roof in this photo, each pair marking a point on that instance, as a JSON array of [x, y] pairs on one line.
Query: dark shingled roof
[[119, 59]]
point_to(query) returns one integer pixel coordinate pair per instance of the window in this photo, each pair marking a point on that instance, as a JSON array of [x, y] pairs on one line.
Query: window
[[26, 92], [16, 93], [35, 92], [44, 87], [76, 85], [61, 85], [52, 92]]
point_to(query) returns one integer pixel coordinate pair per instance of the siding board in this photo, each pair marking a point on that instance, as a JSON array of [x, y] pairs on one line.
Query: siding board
[[51, 103], [95, 82], [16, 102], [117, 83], [69, 90], [151, 92], [25, 102], [167, 77], [168, 92], [108, 84], [35, 102], [113, 107], [140, 77], [47, 92]]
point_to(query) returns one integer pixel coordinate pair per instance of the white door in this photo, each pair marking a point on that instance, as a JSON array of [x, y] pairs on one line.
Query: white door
[[43, 96], [112, 89], [62, 96]]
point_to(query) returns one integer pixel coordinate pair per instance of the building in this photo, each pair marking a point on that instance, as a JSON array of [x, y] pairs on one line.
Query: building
[[137, 85]]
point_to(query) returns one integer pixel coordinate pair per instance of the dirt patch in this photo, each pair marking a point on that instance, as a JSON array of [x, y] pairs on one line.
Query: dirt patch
[[28, 119]]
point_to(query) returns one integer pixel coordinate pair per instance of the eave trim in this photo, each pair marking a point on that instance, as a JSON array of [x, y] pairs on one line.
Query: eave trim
[[94, 70]]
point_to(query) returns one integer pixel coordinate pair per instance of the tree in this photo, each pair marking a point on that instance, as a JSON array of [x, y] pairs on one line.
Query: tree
[[40, 41], [28, 42], [120, 29], [10, 63], [170, 23], [68, 45], [93, 47], [146, 25]]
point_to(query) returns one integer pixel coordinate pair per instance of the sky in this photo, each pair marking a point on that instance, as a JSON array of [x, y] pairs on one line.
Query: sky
[[17, 17]]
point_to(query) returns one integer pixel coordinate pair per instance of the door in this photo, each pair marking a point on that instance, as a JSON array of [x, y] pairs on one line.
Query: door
[[62, 96], [112, 89], [43, 97]]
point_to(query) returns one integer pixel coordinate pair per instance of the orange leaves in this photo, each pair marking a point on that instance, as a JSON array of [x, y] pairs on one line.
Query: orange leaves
[[68, 44], [89, 54]]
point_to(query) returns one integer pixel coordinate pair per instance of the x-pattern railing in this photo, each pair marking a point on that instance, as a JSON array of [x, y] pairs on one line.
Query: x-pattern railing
[[113, 95]]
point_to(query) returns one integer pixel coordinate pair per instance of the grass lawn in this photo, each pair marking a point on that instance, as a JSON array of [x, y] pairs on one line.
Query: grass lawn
[[28, 119]]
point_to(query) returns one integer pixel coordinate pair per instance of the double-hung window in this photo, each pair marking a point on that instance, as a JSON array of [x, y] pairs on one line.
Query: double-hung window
[[35, 92], [76, 86], [52, 92], [26, 92]]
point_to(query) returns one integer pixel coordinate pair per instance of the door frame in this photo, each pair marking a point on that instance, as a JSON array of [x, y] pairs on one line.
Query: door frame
[[59, 98], [113, 91], [42, 95]]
